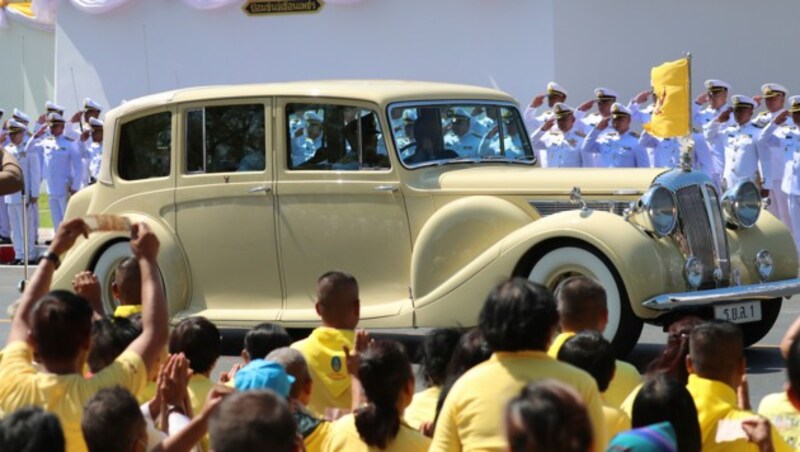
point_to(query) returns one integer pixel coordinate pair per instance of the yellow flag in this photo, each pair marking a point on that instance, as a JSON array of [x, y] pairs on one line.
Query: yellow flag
[[671, 86]]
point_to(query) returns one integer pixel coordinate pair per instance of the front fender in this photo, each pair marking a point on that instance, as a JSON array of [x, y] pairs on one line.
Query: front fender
[[171, 260]]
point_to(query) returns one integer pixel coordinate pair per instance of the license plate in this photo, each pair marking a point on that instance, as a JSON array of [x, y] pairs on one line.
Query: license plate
[[749, 311]]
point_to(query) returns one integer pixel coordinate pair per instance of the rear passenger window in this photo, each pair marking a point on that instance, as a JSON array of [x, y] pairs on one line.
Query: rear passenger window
[[225, 139], [145, 147]]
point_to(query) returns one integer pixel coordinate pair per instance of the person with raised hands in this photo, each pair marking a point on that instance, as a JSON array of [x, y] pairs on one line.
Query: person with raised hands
[[56, 327]]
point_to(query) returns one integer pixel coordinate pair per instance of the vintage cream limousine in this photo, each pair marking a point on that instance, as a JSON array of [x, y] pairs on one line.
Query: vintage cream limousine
[[429, 194]]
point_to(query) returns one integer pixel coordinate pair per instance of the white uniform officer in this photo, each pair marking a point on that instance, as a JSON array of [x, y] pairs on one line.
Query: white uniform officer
[[306, 145], [774, 96], [741, 154], [91, 151], [533, 116], [716, 96], [604, 98], [511, 148], [782, 136], [461, 138], [62, 167], [560, 146], [29, 162], [617, 148], [661, 152]]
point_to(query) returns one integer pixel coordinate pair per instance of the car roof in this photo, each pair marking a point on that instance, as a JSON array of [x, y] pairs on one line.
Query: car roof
[[377, 91]]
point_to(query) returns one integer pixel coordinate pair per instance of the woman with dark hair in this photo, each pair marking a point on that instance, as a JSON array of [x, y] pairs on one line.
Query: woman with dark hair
[[384, 373], [437, 349], [664, 398], [671, 361], [548, 415]]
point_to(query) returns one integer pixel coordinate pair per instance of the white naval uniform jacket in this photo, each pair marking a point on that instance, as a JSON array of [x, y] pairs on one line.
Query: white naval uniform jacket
[[615, 150], [784, 140], [557, 149], [62, 164], [741, 153]]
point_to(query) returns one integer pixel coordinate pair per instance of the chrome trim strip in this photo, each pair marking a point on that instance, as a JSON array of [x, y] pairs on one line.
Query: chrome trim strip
[[760, 291], [715, 228]]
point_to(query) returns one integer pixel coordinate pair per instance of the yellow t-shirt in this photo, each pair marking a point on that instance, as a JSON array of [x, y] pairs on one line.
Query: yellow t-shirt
[[344, 436], [616, 421], [63, 395], [472, 416], [715, 401], [625, 380], [627, 405], [147, 394], [422, 407], [127, 310], [313, 430], [327, 366], [783, 415], [198, 389]]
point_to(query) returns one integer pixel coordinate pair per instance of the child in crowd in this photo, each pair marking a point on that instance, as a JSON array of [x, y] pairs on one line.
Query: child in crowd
[[518, 319], [31, 430], [588, 350], [582, 307], [253, 421], [258, 343], [548, 416], [783, 408], [338, 306], [126, 288], [384, 372], [716, 365], [437, 349], [663, 398], [313, 430], [110, 337], [58, 325]]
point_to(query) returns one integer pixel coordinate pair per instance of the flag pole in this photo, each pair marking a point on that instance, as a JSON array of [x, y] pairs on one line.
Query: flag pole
[[686, 157]]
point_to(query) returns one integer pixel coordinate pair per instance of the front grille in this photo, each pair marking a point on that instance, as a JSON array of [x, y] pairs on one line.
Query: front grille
[[700, 222], [547, 208]]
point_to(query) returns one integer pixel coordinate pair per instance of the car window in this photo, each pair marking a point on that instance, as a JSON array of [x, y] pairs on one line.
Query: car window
[[335, 138], [145, 147], [225, 139], [458, 132]]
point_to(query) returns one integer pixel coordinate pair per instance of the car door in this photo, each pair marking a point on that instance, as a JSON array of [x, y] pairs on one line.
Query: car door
[[225, 209], [340, 206]]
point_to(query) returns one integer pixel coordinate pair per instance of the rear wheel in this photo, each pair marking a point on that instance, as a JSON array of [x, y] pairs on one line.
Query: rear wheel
[[105, 268], [556, 265]]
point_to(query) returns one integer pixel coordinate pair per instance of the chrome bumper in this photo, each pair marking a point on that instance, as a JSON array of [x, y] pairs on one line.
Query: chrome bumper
[[761, 291]]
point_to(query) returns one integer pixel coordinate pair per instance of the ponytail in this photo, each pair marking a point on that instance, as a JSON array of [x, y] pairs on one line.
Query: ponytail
[[377, 425]]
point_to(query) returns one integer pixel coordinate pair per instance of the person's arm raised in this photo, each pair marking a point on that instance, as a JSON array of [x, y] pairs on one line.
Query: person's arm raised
[[155, 318], [65, 237]]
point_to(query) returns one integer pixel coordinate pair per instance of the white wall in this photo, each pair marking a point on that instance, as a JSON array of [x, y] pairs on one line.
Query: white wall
[[27, 69], [614, 43], [471, 41]]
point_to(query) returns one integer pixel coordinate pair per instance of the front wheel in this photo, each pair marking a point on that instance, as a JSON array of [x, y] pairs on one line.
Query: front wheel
[[556, 265], [754, 332]]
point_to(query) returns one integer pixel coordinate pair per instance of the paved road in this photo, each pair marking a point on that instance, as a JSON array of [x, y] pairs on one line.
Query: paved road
[[765, 368]]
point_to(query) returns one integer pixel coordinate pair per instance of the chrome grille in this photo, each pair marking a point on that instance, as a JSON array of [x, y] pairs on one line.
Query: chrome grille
[[701, 225], [546, 208]]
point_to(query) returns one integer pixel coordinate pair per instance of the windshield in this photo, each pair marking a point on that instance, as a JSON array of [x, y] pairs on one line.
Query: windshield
[[457, 132]]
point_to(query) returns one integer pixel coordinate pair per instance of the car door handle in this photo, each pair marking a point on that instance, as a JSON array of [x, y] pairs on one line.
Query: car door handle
[[262, 188], [390, 188]]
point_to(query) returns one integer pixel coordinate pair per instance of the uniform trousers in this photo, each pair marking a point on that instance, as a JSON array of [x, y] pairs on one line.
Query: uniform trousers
[[779, 203], [58, 205], [15, 214], [5, 222], [794, 213]]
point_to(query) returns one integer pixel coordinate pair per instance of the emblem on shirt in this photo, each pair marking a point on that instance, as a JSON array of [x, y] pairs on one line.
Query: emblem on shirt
[[336, 364]]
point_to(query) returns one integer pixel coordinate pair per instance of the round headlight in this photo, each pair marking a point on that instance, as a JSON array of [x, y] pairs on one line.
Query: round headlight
[[659, 211], [764, 264], [693, 272], [742, 205]]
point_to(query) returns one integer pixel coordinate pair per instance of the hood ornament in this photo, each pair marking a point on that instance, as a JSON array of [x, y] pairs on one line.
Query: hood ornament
[[575, 197]]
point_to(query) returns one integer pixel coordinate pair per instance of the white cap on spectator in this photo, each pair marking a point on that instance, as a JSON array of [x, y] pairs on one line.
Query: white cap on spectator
[[54, 117], [20, 116], [555, 88], [94, 122], [52, 106], [619, 110], [89, 104], [15, 126], [741, 100], [605, 94], [561, 110], [773, 89], [716, 85], [794, 104], [312, 116]]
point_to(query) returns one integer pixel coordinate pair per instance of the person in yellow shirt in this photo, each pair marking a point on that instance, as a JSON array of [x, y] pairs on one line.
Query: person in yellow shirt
[[338, 306], [59, 324], [437, 348], [582, 307], [384, 372], [783, 408], [548, 416], [126, 288], [199, 340], [259, 342], [716, 365], [253, 421], [590, 351], [518, 319], [664, 398], [313, 429]]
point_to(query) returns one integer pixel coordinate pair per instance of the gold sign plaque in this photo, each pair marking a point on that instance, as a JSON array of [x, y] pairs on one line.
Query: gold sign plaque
[[271, 7]]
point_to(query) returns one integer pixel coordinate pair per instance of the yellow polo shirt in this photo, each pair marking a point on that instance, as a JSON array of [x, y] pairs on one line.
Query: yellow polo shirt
[[627, 405], [343, 436], [616, 421], [63, 395], [423, 407], [783, 415], [626, 377], [327, 366], [715, 401], [198, 388], [313, 430], [473, 413]]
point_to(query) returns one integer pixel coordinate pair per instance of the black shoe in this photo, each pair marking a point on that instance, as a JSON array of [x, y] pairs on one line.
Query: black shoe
[[5, 240]]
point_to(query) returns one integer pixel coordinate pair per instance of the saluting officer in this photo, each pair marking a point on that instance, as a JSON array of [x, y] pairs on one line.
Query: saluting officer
[[774, 96], [62, 166], [604, 98], [32, 178], [534, 118], [741, 153], [461, 138], [560, 146], [782, 135], [619, 147], [91, 151]]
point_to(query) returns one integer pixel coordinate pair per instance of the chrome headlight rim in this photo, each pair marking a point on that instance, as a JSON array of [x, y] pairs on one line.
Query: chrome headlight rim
[[734, 205], [649, 214], [764, 264], [693, 272]]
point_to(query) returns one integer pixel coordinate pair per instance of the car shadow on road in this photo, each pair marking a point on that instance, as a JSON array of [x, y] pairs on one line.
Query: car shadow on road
[[764, 359]]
